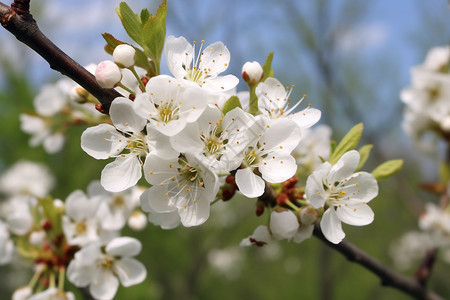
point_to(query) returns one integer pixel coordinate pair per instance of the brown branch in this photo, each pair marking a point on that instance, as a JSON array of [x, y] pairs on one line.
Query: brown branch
[[388, 277], [21, 24]]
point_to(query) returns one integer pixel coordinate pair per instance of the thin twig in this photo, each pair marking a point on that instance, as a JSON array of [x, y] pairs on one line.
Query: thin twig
[[25, 29]]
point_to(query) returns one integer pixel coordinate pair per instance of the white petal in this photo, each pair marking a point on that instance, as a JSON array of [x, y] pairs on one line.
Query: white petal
[[79, 274], [331, 226], [344, 167], [306, 118], [130, 271], [314, 190], [215, 58], [79, 207], [193, 103], [121, 174], [54, 143], [196, 213], [279, 168], [105, 285], [281, 135], [188, 140], [175, 51], [124, 117], [102, 141], [155, 199], [165, 220], [357, 215], [169, 129], [250, 184], [144, 107], [157, 170], [124, 246], [220, 83], [361, 187], [283, 225], [303, 233], [159, 144]]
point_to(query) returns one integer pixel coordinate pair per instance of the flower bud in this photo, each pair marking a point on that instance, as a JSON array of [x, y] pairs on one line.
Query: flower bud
[[308, 215], [137, 221], [124, 56], [252, 72], [284, 224], [108, 74], [37, 238]]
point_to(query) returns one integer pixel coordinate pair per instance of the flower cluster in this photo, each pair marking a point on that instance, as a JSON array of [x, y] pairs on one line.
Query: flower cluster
[[175, 132], [67, 238], [428, 99], [59, 106]]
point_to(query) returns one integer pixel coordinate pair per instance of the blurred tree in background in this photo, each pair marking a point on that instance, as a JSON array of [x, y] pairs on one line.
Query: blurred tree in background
[[350, 57]]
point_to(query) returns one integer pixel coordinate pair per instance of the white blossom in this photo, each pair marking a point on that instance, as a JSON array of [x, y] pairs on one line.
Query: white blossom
[[203, 69], [345, 193], [102, 271], [6, 245], [124, 56]]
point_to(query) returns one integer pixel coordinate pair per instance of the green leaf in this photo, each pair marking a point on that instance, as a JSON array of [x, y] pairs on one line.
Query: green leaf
[[333, 146], [145, 15], [231, 104], [154, 34], [349, 142], [387, 169], [364, 152], [267, 67], [131, 22], [444, 172], [112, 43]]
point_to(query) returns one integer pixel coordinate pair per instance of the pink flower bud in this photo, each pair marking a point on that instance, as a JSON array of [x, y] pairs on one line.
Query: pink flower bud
[[252, 72], [124, 56], [108, 74]]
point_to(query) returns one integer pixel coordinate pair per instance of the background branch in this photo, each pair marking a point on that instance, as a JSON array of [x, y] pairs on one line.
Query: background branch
[[25, 29]]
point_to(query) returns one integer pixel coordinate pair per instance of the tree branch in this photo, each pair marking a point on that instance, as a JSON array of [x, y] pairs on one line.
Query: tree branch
[[22, 25]]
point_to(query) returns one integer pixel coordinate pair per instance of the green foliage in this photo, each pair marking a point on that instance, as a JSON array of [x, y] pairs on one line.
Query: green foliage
[[267, 67], [231, 104], [349, 142], [364, 153], [387, 169], [53, 215], [148, 30]]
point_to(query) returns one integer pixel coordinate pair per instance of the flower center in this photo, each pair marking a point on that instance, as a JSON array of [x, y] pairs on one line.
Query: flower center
[[118, 201], [168, 112], [81, 227], [137, 145]]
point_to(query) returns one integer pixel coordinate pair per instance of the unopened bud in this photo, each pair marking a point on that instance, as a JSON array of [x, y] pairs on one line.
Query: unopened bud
[[284, 224], [137, 221], [108, 74], [37, 238], [46, 225], [124, 56], [252, 72], [78, 94], [308, 215]]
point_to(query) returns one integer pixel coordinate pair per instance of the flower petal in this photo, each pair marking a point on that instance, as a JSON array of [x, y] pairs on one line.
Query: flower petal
[[105, 285], [124, 246], [358, 215], [124, 117], [331, 226], [102, 141], [303, 233], [344, 167], [155, 199], [121, 174], [250, 184], [195, 214], [130, 271], [278, 168]]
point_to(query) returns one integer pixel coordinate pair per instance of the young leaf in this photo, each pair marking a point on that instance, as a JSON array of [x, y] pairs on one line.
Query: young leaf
[[349, 142], [145, 15], [387, 169], [267, 67], [364, 152], [154, 34], [231, 104], [112, 43], [131, 22]]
